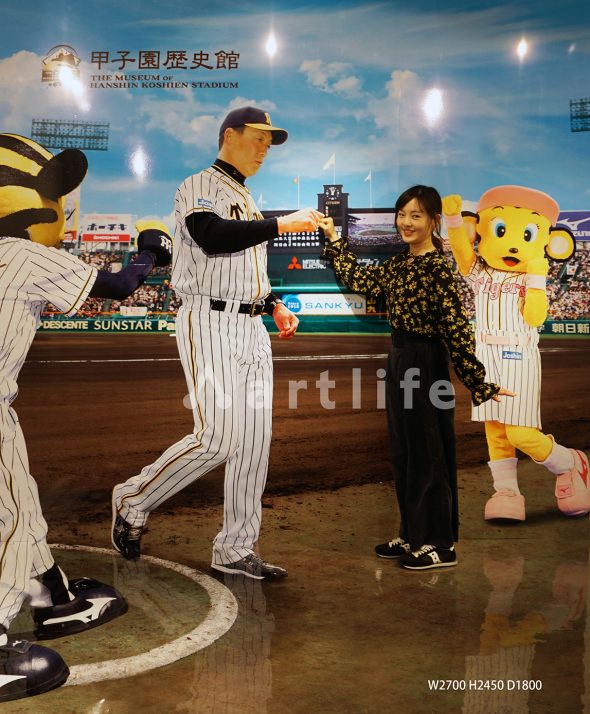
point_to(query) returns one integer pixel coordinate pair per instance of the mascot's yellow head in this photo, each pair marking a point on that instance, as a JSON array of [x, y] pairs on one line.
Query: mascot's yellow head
[[33, 183], [515, 225]]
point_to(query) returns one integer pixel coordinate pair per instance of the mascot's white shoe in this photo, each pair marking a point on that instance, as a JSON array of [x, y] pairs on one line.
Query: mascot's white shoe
[[94, 604], [507, 505], [572, 488], [27, 669]]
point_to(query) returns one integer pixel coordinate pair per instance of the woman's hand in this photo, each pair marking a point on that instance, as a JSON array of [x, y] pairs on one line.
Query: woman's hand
[[327, 225]]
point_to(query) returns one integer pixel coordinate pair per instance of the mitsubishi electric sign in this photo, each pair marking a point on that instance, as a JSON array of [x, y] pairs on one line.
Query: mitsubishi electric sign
[[326, 304]]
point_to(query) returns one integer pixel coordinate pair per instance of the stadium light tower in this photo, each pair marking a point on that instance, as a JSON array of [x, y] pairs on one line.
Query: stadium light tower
[[71, 134], [580, 114]]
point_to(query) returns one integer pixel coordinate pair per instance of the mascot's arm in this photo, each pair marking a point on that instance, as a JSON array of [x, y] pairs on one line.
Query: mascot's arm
[[536, 303], [460, 244], [119, 286], [155, 248]]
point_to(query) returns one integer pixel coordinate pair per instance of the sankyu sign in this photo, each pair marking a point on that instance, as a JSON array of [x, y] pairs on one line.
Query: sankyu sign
[[326, 304], [106, 228]]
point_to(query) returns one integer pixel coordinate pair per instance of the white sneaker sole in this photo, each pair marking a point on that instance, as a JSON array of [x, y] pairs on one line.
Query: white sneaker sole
[[429, 567], [235, 571]]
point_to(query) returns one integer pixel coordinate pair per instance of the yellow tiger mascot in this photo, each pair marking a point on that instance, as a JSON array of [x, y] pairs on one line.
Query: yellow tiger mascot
[[515, 229]]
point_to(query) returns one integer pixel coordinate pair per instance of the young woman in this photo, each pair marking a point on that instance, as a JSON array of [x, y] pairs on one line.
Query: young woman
[[425, 313]]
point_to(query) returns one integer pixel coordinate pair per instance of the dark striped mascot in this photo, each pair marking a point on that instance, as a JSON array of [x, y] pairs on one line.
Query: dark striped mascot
[[33, 272]]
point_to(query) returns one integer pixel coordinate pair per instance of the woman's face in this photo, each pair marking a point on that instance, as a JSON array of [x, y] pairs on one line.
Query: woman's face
[[414, 225]]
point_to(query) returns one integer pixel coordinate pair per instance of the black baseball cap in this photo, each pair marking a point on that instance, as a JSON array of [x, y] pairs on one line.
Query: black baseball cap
[[255, 118]]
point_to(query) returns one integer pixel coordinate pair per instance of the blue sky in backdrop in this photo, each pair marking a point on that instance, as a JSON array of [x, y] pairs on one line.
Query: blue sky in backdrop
[[353, 79]]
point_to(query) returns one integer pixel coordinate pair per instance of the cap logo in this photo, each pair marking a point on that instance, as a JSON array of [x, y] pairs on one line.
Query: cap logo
[[268, 121]]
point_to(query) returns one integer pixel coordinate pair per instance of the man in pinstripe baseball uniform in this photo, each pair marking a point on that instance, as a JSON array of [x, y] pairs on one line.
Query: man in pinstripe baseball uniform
[[219, 272], [517, 231], [32, 273]]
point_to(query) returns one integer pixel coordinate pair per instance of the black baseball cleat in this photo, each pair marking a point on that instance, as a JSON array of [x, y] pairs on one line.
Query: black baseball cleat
[[27, 669], [126, 538], [94, 604], [252, 566]]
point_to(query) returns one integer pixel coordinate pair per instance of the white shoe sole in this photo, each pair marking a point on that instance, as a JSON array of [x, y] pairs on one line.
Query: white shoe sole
[[234, 571], [430, 567]]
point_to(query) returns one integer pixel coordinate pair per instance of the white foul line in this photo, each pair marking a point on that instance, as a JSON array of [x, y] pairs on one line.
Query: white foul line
[[282, 358], [221, 616]]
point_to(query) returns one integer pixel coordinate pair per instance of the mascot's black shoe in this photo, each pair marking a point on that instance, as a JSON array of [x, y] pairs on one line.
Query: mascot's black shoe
[[94, 604], [27, 669]]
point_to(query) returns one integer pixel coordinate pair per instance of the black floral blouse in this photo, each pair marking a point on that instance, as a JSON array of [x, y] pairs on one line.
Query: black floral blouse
[[422, 297]]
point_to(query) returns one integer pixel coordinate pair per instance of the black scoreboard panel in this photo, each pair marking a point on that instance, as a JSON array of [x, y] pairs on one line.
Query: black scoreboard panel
[[288, 242], [333, 209], [333, 202]]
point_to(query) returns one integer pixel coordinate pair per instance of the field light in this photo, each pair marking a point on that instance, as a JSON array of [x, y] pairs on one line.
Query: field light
[[271, 45], [139, 163], [433, 106], [522, 49], [74, 86]]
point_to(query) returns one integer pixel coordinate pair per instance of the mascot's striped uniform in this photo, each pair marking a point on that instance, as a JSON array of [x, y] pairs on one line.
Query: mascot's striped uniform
[[33, 272]]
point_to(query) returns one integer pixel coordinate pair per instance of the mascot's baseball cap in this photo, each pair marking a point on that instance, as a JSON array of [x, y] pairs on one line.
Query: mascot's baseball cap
[[257, 119], [520, 197]]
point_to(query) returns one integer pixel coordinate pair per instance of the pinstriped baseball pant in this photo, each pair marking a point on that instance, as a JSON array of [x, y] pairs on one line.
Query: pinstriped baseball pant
[[24, 553], [227, 362]]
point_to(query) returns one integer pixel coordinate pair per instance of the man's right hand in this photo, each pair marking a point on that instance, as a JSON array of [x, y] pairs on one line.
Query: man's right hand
[[305, 220]]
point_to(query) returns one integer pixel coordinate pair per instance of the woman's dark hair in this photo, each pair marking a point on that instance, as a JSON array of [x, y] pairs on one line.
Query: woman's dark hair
[[430, 201]]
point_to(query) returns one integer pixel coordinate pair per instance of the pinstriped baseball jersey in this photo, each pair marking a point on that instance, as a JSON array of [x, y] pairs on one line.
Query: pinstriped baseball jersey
[[499, 298], [238, 276], [516, 365], [32, 275]]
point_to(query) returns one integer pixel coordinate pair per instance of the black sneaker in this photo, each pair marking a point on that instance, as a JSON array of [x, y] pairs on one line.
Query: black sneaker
[[429, 556], [27, 669], [394, 549], [125, 537], [94, 604], [253, 567]]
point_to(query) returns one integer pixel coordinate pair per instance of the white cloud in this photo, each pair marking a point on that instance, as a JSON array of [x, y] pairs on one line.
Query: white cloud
[[331, 77], [190, 122], [398, 114], [332, 132], [25, 97]]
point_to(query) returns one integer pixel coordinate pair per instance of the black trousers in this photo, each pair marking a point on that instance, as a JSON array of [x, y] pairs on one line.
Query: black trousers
[[422, 439]]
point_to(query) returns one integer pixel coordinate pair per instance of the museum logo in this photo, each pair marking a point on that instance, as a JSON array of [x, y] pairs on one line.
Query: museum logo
[[61, 62]]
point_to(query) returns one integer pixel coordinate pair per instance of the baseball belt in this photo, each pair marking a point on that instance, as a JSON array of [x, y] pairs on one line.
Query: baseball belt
[[512, 338], [244, 308]]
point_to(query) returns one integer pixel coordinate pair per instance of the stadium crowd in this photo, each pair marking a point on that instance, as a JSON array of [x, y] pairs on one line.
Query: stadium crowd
[[568, 287]]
